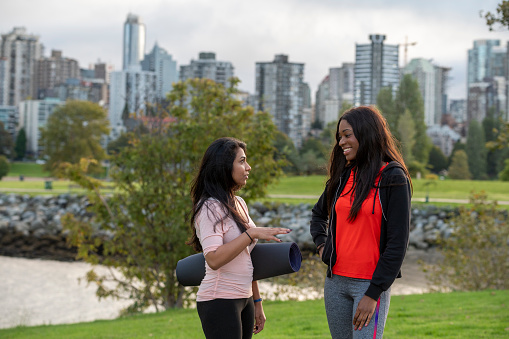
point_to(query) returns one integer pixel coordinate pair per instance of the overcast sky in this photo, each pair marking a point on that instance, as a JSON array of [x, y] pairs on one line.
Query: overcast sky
[[319, 33]]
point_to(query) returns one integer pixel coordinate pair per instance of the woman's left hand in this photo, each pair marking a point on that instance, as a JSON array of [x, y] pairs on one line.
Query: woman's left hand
[[364, 312], [259, 318]]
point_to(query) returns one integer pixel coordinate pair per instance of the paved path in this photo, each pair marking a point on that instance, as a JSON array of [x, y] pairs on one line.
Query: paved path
[[35, 292], [458, 201]]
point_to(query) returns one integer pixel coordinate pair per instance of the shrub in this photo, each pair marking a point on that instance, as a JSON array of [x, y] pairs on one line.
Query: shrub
[[4, 166], [474, 256]]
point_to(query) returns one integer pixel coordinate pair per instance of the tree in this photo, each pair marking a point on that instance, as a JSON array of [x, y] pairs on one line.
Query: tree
[[385, 103], [312, 156], [145, 222], [456, 147], [504, 174], [406, 131], [476, 150], [409, 97], [21, 144], [4, 166], [286, 152], [459, 166], [494, 157], [74, 131], [6, 143], [437, 159], [500, 17]]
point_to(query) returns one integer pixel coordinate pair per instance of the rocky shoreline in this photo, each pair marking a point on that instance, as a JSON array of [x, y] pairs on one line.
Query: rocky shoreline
[[31, 227]]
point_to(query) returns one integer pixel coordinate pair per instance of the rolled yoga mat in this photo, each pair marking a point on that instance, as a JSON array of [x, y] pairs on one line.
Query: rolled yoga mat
[[269, 260]]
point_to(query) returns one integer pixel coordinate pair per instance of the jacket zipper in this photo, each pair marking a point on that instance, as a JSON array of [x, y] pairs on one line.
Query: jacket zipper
[[331, 223]]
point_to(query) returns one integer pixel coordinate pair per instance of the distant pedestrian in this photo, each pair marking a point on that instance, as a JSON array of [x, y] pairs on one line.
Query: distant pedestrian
[[228, 300], [360, 224]]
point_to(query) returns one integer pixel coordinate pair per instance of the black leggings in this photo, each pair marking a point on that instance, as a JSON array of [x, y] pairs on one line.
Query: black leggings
[[227, 318]]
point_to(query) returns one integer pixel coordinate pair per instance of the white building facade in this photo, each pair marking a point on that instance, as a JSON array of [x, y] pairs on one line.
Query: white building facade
[[34, 114], [165, 68]]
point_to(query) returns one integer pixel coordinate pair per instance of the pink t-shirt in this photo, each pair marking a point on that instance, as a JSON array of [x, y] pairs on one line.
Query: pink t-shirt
[[234, 279]]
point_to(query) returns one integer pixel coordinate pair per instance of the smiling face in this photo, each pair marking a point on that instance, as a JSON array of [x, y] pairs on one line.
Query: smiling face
[[348, 142], [241, 168]]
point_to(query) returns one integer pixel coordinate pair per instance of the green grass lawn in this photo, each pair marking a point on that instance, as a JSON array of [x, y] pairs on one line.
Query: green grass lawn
[[28, 169], [295, 185], [451, 189], [448, 315]]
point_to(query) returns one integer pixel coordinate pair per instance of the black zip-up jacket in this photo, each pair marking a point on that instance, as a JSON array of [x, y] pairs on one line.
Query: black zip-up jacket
[[394, 194]]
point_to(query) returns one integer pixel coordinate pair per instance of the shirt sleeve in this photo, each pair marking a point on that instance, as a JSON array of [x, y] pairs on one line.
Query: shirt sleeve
[[211, 226]]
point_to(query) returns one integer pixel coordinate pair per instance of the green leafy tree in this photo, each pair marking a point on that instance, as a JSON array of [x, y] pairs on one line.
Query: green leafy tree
[[456, 147], [409, 97], [21, 144], [312, 156], [406, 131], [4, 166], [286, 152], [386, 105], [6, 142], [145, 222], [500, 17], [74, 131], [476, 150], [474, 255], [494, 157], [437, 159], [504, 174], [459, 166]]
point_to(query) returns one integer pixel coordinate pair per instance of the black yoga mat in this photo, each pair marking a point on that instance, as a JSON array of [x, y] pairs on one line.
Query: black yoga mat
[[269, 260]]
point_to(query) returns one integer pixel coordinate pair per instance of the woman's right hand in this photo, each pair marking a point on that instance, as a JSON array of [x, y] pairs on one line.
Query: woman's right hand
[[267, 233]]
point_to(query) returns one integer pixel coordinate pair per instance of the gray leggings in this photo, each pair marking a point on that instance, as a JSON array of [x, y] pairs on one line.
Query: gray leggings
[[342, 295]]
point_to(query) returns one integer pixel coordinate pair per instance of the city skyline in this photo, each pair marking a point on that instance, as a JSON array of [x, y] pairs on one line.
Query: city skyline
[[320, 34]]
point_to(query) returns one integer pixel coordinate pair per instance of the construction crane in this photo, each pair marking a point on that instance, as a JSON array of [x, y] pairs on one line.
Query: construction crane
[[406, 44]]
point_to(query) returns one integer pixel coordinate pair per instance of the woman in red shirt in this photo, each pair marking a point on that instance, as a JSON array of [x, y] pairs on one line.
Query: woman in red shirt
[[360, 224]]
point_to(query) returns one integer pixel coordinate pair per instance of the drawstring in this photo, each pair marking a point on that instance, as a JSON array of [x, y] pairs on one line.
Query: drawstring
[[374, 198]]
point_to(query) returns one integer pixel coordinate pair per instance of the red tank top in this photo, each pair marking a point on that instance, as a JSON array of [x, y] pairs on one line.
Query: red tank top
[[358, 242]]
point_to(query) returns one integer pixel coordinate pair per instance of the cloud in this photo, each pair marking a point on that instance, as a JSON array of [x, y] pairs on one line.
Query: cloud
[[322, 34]]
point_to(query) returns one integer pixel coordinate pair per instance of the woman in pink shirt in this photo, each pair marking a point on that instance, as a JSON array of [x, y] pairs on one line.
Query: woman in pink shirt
[[228, 300]]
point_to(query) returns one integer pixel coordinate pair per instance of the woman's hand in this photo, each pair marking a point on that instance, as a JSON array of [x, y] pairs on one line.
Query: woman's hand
[[364, 312], [267, 233], [259, 318]]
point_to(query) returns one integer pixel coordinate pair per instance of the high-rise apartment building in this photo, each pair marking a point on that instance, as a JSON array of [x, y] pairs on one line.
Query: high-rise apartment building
[[134, 42], [53, 71], [480, 61], [376, 67], [34, 114], [432, 81], [9, 117], [336, 89], [165, 68], [130, 92], [4, 81], [486, 79], [22, 51], [207, 67], [279, 92]]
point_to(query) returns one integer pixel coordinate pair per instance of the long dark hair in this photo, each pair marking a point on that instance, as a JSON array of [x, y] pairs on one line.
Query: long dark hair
[[376, 145], [214, 180]]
